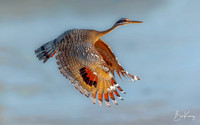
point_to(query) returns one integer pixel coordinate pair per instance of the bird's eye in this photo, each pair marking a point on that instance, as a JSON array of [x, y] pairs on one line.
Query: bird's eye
[[120, 21]]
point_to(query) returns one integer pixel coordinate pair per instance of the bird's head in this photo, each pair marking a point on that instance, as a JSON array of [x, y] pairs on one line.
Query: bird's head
[[120, 22], [125, 21]]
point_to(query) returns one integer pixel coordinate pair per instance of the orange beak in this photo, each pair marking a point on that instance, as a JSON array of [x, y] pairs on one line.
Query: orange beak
[[133, 21]]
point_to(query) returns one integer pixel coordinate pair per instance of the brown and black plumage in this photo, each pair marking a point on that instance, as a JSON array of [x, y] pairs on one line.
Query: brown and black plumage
[[87, 61]]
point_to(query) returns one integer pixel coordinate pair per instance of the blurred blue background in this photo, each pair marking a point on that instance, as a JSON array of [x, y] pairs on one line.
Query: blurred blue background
[[163, 51]]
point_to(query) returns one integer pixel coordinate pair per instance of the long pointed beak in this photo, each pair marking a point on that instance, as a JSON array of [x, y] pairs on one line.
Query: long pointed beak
[[133, 21]]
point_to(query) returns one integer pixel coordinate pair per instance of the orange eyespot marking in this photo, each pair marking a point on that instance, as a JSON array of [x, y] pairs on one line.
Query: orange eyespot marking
[[100, 97], [111, 95], [88, 76], [113, 82], [106, 97], [116, 93]]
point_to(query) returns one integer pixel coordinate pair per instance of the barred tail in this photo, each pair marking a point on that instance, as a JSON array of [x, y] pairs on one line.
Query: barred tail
[[45, 51]]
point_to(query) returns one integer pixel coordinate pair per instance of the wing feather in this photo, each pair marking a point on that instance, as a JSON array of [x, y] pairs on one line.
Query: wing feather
[[108, 56], [110, 59], [89, 77]]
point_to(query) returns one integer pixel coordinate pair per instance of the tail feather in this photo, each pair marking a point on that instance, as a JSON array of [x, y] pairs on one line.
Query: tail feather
[[45, 51]]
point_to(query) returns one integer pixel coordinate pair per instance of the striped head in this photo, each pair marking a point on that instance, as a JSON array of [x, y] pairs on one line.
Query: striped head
[[125, 21]]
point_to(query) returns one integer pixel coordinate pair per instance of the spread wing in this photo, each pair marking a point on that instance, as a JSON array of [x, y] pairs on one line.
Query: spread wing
[[89, 73], [110, 59]]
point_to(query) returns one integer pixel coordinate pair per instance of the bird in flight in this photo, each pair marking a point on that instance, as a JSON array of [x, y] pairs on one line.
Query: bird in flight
[[88, 62]]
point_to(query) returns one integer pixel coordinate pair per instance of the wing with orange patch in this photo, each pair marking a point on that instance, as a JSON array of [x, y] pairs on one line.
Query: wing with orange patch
[[110, 59], [91, 79], [108, 56]]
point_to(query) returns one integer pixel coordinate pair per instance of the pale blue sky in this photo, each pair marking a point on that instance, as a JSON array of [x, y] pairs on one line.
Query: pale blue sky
[[163, 51]]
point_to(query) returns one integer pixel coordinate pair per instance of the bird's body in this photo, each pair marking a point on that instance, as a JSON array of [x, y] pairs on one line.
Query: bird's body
[[87, 61]]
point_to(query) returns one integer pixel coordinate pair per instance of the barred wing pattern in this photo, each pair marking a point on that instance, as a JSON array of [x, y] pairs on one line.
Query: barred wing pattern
[[89, 73], [111, 60], [88, 66]]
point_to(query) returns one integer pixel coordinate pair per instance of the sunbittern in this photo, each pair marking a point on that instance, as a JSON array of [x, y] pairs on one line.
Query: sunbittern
[[87, 61]]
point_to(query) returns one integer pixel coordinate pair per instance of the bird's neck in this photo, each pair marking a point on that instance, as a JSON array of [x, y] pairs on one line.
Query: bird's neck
[[99, 34], [102, 33]]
